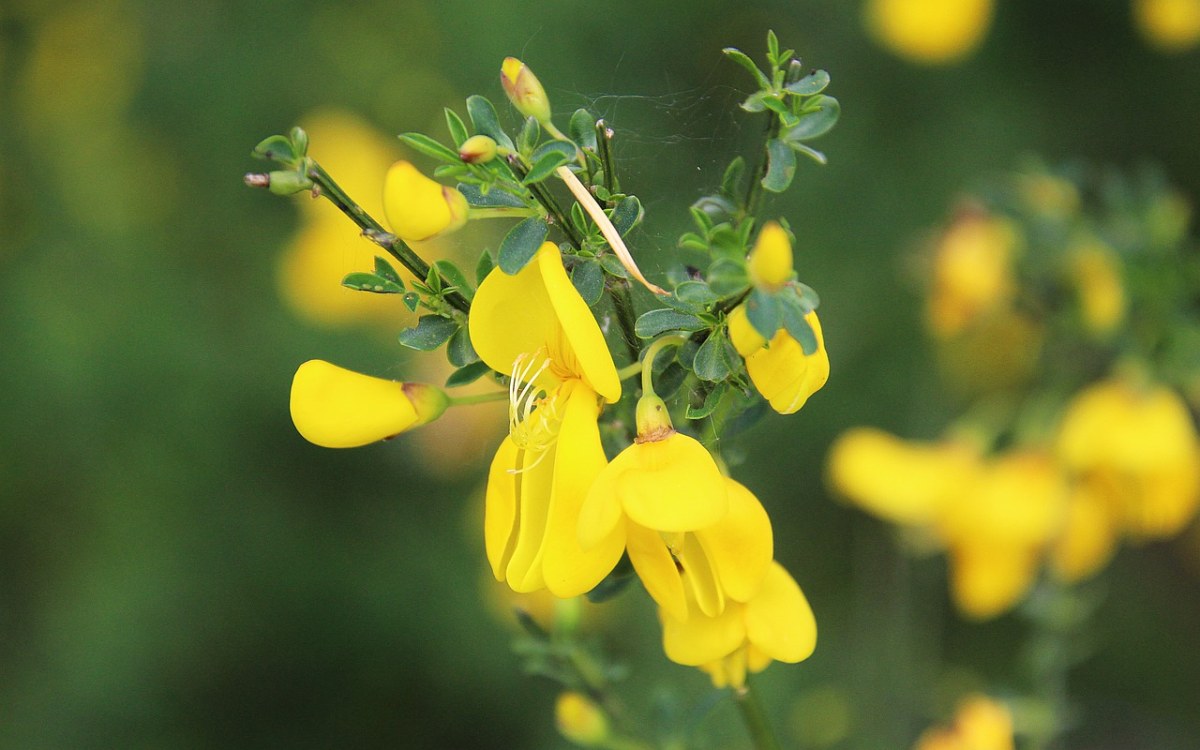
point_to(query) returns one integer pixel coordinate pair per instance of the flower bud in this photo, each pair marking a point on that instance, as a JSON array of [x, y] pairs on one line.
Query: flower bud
[[419, 208], [478, 149], [771, 259], [524, 90], [337, 408], [288, 182], [580, 720]]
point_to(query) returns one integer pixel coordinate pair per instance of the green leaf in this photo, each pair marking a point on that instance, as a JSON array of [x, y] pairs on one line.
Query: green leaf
[[468, 374], [494, 198], [727, 277], [545, 166], [651, 324], [454, 276], [582, 129], [781, 166], [740, 58], [809, 300], [459, 351], [430, 332], [670, 379], [530, 134], [627, 215], [792, 314], [411, 300], [277, 148], [566, 149], [430, 147], [588, 278], [580, 220], [484, 266], [772, 46], [808, 151], [370, 282], [458, 130], [713, 360], [299, 141], [731, 182], [696, 293], [813, 83], [384, 269], [711, 402], [612, 266], [762, 310], [521, 244], [815, 122], [756, 102], [484, 120]]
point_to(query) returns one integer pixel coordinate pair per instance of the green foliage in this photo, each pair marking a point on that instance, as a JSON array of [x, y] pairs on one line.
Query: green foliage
[[521, 244]]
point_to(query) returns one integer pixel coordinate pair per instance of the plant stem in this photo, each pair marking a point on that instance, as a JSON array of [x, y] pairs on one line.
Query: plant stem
[[623, 304], [755, 719], [398, 248], [604, 136], [547, 200], [754, 190], [651, 353]]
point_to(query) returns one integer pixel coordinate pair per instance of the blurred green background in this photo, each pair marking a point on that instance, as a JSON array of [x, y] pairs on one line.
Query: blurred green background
[[179, 569]]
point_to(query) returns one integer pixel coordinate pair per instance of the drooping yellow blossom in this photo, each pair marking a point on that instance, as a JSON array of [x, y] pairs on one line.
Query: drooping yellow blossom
[[337, 408], [780, 370], [980, 723], [419, 208], [776, 623], [997, 530], [905, 482], [972, 272], [770, 260], [535, 326], [1137, 447], [1089, 533], [929, 31], [524, 90], [1096, 272], [1170, 25], [580, 720]]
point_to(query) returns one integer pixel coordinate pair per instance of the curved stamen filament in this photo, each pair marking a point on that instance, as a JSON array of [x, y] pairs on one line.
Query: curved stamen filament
[[533, 417]]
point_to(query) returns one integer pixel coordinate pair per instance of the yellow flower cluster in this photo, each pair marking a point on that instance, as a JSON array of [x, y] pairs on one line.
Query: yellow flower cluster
[[1125, 460], [980, 723]]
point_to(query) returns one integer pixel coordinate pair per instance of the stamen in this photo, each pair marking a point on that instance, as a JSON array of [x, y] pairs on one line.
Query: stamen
[[533, 417]]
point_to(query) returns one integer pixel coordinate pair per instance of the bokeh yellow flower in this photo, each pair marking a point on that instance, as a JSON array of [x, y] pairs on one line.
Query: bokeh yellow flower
[[770, 260], [1096, 272], [980, 723], [1169, 25], [580, 720], [972, 275], [929, 31]]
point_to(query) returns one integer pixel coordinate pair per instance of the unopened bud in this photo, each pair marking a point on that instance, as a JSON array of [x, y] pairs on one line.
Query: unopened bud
[[524, 90], [478, 149], [580, 720], [288, 182], [419, 208], [771, 259]]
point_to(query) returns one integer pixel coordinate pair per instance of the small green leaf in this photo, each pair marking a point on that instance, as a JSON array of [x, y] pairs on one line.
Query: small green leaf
[[566, 149], [792, 314], [588, 278], [545, 166], [612, 266], [772, 46], [696, 293], [727, 277], [468, 374], [670, 379], [808, 151], [299, 141], [655, 322], [582, 129], [451, 171], [484, 120], [813, 83], [530, 134], [713, 360], [454, 276], [756, 102], [815, 122], [762, 310], [580, 220], [731, 182], [742, 59], [458, 129], [781, 166], [711, 402], [809, 300], [277, 148], [430, 147], [430, 332], [459, 351], [484, 266], [521, 244], [369, 282], [411, 300], [627, 215], [494, 198], [384, 269]]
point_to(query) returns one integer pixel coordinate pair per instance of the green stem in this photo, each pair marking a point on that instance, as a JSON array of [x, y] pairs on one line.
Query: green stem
[[651, 353], [604, 136], [754, 191], [397, 247], [755, 719], [479, 398], [629, 371], [547, 200], [623, 305]]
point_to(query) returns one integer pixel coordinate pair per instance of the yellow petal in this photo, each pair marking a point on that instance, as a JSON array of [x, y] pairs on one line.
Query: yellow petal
[[770, 262], [1017, 499], [672, 485], [568, 569], [419, 208], [986, 580], [1170, 25], [929, 31], [740, 546], [336, 408], [601, 511], [533, 485], [500, 508], [784, 374], [742, 333], [699, 640], [1088, 537], [586, 355], [700, 578], [779, 621], [656, 568]]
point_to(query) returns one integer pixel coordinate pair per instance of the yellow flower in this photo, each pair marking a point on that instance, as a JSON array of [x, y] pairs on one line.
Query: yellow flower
[[419, 208], [929, 31], [775, 624], [997, 530], [524, 90], [980, 723], [580, 720], [1170, 25], [1137, 446], [535, 326], [1088, 536], [901, 481], [336, 408], [972, 273], [780, 370], [770, 261], [1096, 271]]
